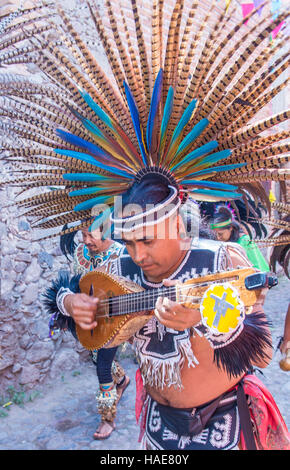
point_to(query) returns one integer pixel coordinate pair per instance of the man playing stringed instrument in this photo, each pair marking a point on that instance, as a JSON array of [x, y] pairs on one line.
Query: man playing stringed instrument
[[174, 105], [192, 374]]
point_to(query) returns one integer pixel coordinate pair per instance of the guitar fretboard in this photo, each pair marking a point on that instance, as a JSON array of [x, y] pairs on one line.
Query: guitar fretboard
[[137, 302]]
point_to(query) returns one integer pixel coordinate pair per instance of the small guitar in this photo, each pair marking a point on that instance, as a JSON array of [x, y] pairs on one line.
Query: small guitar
[[125, 307]]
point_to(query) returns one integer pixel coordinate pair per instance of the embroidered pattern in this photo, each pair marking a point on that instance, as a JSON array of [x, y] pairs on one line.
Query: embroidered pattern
[[169, 435], [220, 436], [155, 420], [184, 441], [85, 262], [202, 437]]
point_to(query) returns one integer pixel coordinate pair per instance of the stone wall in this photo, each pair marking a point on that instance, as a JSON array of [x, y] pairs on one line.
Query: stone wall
[[29, 356]]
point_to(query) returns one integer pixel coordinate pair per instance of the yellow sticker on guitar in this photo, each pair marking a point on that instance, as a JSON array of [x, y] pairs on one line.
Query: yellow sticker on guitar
[[221, 308]]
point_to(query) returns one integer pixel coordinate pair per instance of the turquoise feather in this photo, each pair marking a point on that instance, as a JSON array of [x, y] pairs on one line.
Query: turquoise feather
[[193, 134], [90, 203], [215, 193], [136, 121], [84, 157], [215, 157], [211, 184], [86, 191], [183, 121], [165, 119], [97, 109], [85, 177], [204, 149], [90, 126], [167, 112], [217, 169], [155, 100]]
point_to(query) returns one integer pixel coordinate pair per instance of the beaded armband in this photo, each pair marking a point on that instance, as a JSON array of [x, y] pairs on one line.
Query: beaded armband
[[60, 297]]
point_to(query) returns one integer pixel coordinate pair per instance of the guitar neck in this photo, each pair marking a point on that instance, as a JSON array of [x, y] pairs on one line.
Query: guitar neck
[[139, 301]]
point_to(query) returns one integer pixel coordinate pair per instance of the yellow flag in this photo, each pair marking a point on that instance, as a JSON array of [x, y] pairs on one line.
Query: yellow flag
[[272, 196], [228, 4]]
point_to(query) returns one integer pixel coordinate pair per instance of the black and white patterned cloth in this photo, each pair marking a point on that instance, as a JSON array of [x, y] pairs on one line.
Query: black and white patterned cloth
[[165, 432]]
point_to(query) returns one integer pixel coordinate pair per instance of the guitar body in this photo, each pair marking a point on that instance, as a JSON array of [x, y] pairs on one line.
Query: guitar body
[[110, 331]]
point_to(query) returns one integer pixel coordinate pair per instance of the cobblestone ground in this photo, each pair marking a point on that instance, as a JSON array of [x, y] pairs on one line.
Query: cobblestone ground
[[63, 416]]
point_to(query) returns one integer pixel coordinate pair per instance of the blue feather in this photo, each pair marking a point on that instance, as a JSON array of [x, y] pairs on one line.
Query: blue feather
[[217, 169], [97, 151], [86, 191], [211, 184], [215, 157], [221, 194], [90, 203], [155, 100], [85, 177], [193, 134], [136, 122], [206, 148], [183, 120], [97, 109], [79, 142], [84, 157]]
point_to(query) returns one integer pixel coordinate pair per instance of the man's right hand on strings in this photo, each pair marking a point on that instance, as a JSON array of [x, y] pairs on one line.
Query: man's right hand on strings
[[82, 308]]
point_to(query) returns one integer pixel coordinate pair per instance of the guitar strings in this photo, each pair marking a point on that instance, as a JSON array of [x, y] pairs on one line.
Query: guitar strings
[[127, 300], [168, 290]]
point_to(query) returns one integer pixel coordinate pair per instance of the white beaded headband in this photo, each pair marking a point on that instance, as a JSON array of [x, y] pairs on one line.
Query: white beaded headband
[[120, 222]]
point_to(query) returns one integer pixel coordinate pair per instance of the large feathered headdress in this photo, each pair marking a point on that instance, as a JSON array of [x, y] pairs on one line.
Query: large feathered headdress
[[177, 98]]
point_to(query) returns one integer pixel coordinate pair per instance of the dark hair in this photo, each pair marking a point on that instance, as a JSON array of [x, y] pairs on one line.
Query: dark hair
[[223, 214], [67, 243], [152, 189]]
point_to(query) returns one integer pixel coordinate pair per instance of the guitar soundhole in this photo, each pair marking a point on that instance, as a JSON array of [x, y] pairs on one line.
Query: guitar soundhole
[[109, 306]]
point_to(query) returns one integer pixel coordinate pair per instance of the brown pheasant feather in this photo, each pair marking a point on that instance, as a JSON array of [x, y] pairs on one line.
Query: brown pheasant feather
[[82, 134]]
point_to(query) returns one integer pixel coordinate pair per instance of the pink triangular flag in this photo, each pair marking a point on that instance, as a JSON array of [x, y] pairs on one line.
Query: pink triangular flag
[[247, 8], [277, 29]]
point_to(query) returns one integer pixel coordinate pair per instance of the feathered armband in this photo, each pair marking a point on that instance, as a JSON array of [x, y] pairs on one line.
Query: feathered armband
[[59, 321]]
